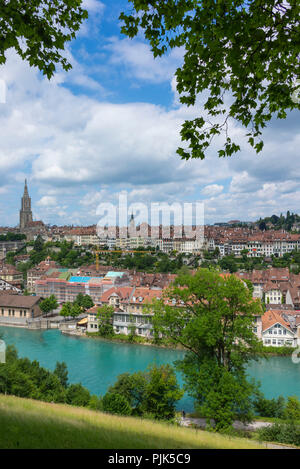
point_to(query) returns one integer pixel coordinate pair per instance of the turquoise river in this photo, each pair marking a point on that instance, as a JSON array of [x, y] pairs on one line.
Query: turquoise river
[[97, 363]]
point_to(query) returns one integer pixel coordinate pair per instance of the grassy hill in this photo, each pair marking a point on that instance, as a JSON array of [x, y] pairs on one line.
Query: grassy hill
[[26, 423]]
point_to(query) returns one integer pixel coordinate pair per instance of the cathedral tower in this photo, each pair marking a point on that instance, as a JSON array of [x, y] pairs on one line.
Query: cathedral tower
[[25, 212]]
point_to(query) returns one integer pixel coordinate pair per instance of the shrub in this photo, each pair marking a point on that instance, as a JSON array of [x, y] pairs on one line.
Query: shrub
[[116, 404], [269, 407], [292, 409], [288, 433], [153, 393], [78, 395]]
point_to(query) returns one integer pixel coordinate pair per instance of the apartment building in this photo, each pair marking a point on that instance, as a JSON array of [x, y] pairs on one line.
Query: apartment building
[[5, 286], [42, 269]]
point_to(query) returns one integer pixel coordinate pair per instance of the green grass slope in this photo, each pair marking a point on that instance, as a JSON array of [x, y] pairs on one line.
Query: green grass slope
[[26, 423]]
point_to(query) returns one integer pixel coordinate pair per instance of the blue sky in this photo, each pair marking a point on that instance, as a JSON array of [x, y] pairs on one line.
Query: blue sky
[[112, 125]]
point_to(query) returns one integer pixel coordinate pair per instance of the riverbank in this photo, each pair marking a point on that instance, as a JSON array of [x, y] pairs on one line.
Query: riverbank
[[138, 340], [69, 328]]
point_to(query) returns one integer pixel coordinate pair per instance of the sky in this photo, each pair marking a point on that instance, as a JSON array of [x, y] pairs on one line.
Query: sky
[[111, 126]]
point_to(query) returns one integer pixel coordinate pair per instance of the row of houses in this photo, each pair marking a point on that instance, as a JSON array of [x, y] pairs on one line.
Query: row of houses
[[256, 243], [275, 327], [275, 286], [228, 239], [10, 274]]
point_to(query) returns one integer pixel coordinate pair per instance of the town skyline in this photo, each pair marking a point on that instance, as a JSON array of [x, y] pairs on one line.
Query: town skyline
[[94, 222]]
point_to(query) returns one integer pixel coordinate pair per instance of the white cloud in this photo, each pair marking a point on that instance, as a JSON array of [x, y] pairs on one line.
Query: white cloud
[[212, 189], [47, 201], [81, 151], [137, 59], [95, 10]]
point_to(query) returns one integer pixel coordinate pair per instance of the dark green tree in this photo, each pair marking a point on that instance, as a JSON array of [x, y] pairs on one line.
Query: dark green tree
[[269, 407], [132, 387], [61, 371], [38, 244], [85, 301], [78, 395], [242, 54]]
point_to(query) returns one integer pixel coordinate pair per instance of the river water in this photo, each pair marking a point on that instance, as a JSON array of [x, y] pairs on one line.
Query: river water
[[97, 363]]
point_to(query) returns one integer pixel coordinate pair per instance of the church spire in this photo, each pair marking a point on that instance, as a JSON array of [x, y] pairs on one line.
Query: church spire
[[25, 212], [26, 189]]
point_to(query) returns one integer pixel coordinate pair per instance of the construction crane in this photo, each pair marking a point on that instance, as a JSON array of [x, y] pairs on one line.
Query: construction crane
[[98, 251], [124, 252]]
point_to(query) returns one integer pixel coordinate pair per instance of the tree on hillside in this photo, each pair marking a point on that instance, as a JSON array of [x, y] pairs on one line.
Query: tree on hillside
[[243, 55], [212, 317], [39, 30], [162, 392], [38, 243], [116, 404], [61, 371]]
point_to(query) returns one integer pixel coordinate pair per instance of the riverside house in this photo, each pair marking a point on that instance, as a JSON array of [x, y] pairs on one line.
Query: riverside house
[[128, 303], [281, 328], [14, 306]]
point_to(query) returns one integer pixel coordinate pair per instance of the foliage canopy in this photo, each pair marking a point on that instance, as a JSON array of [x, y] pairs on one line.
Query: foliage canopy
[[243, 55], [39, 29]]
